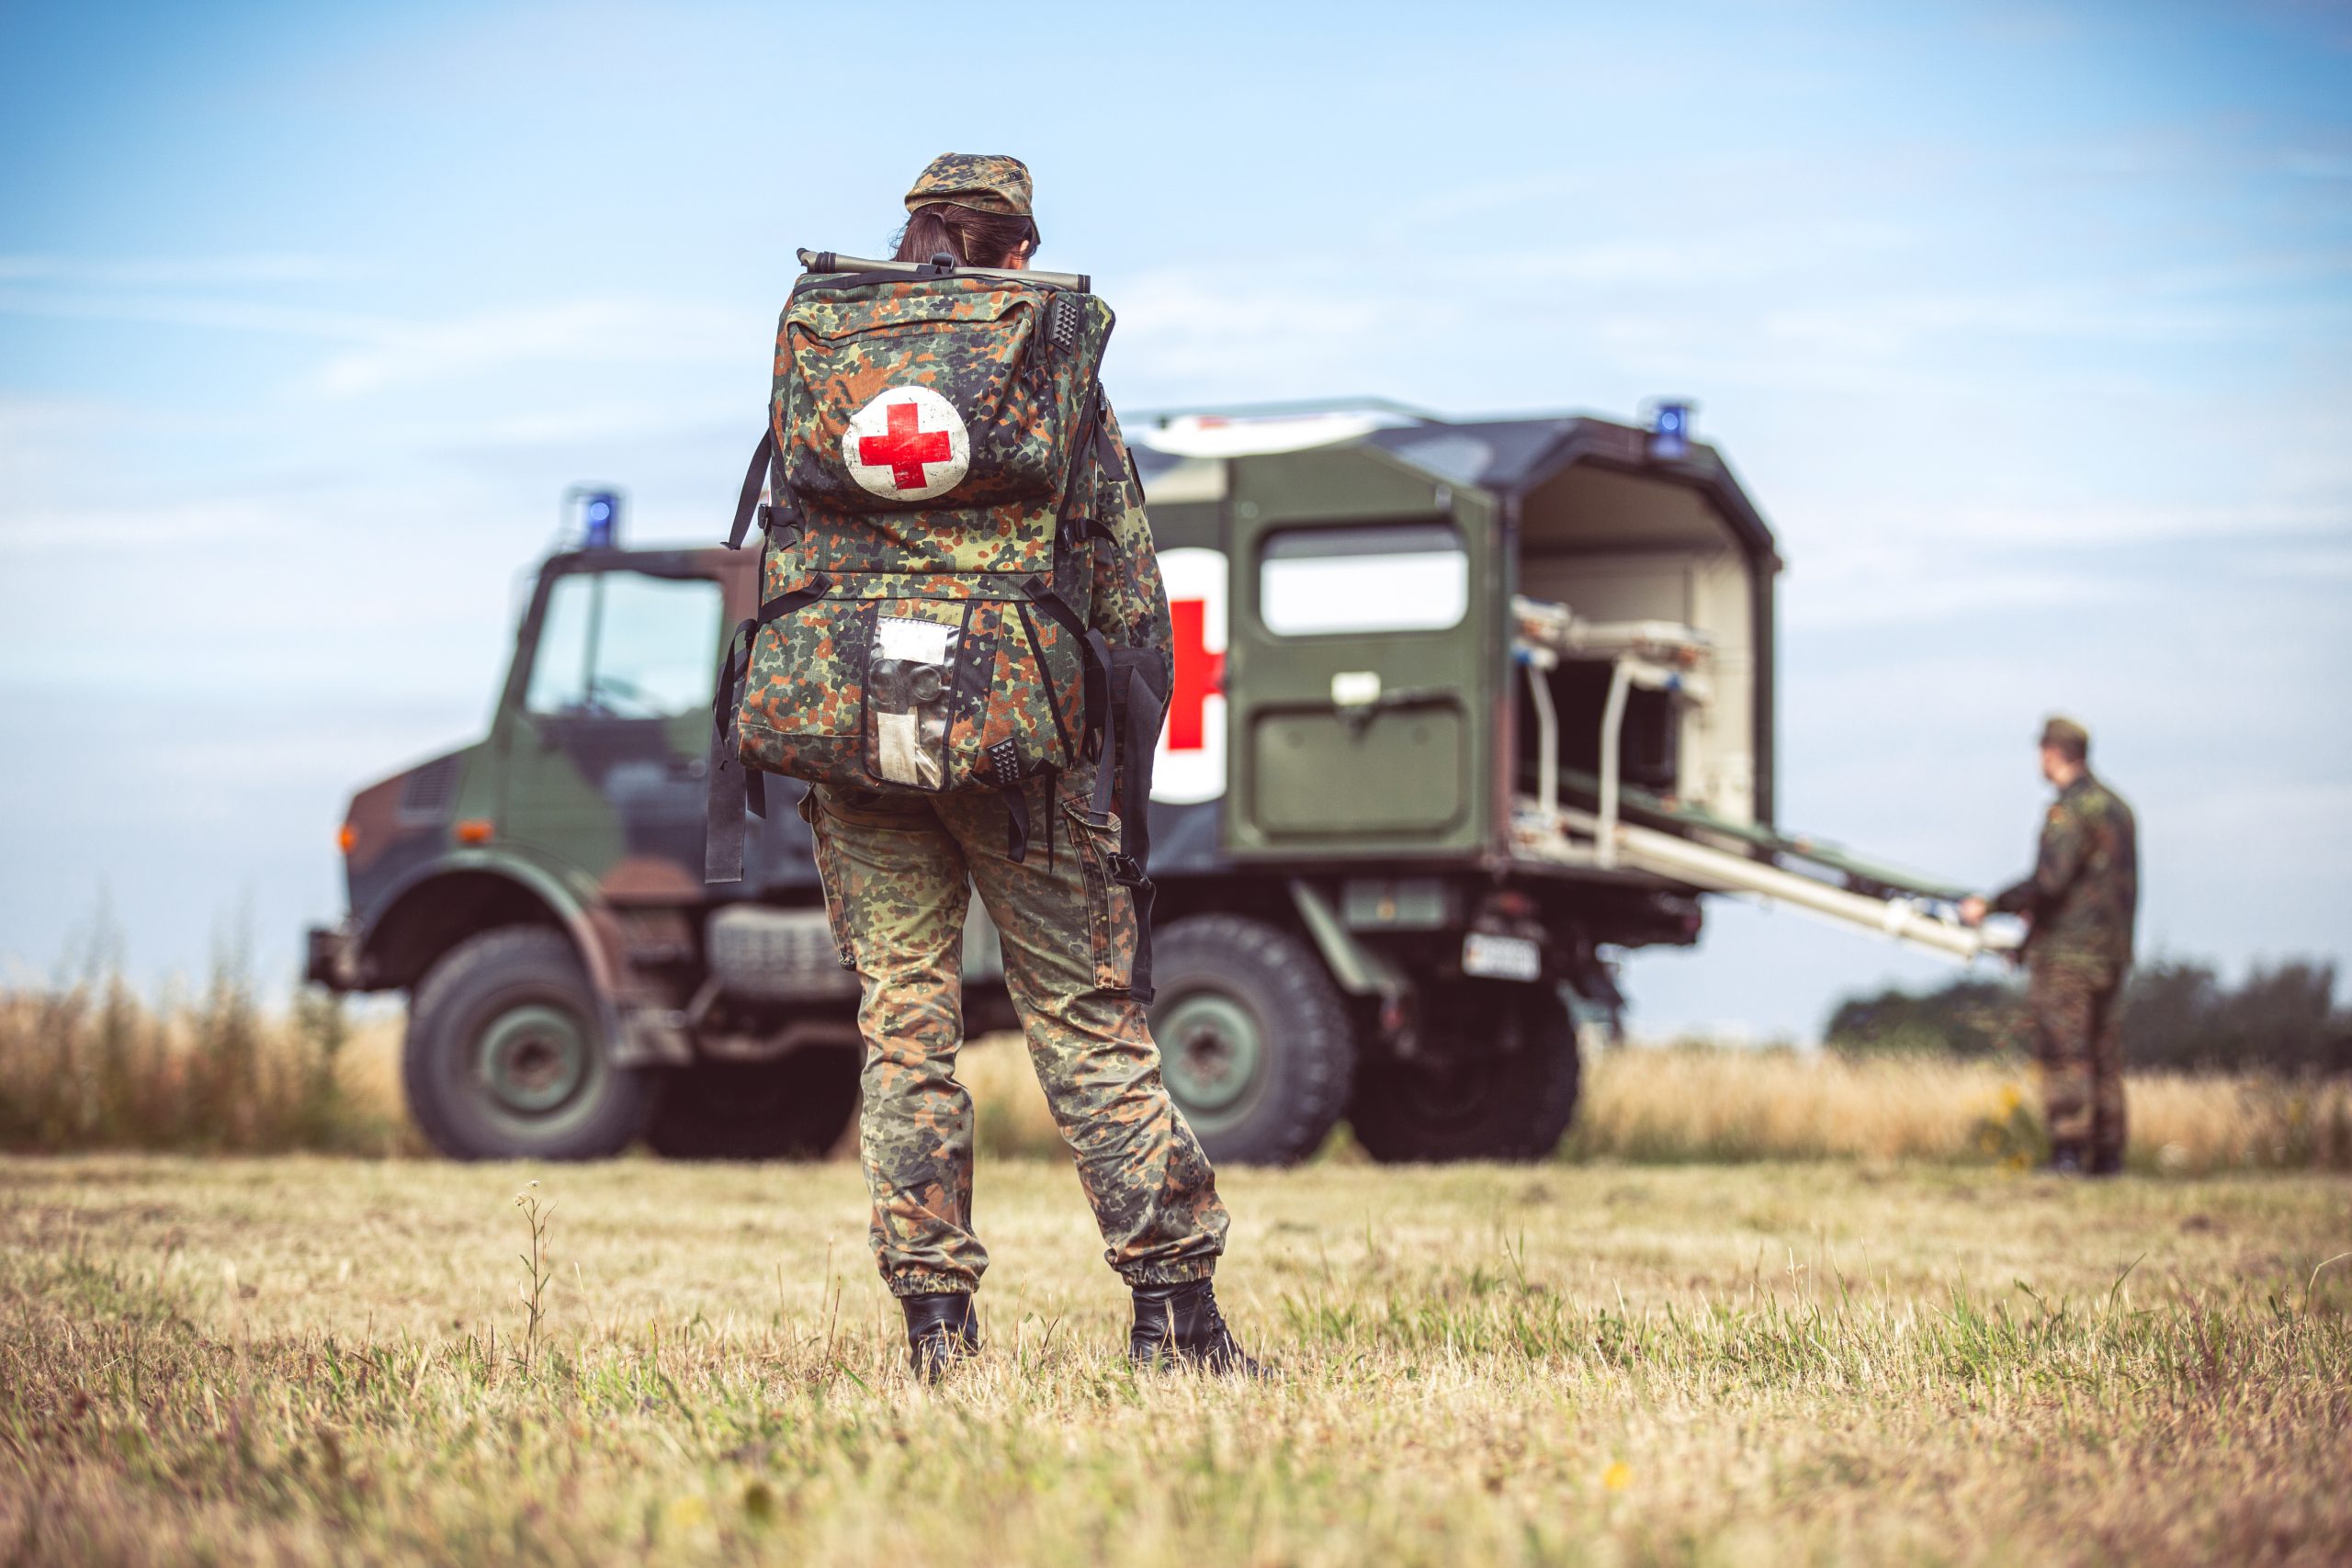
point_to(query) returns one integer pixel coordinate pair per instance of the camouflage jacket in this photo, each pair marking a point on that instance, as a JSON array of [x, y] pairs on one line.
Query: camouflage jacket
[[2084, 895]]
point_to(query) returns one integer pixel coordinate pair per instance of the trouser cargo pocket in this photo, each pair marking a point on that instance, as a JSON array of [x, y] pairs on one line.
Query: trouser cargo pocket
[[1110, 904]]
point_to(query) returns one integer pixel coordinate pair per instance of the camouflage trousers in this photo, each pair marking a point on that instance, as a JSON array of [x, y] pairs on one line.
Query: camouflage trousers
[[2078, 1045], [898, 872]]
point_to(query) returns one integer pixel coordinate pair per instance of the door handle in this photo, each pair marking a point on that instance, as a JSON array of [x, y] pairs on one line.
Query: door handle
[[1357, 696]]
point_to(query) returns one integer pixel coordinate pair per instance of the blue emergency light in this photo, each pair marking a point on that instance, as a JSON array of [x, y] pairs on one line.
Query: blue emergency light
[[600, 520], [1670, 430]]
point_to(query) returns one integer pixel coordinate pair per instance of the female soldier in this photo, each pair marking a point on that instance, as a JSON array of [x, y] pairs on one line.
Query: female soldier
[[903, 867]]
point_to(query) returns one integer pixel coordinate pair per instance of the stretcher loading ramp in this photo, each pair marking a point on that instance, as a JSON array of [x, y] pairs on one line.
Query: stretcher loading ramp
[[1631, 830]]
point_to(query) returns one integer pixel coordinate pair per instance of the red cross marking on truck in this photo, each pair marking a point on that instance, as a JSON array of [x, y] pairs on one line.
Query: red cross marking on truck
[[906, 448], [1200, 675]]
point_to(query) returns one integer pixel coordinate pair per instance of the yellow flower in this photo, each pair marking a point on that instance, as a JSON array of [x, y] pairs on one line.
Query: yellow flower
[[1618, 1476]]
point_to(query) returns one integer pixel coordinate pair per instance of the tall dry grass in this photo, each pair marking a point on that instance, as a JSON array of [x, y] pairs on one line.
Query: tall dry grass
[[1698, 1103], [1703, 1103], [91, 1065]]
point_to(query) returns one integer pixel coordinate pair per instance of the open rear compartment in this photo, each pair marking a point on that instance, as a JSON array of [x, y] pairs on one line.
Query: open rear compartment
[[1640, 579], [1642, 689]]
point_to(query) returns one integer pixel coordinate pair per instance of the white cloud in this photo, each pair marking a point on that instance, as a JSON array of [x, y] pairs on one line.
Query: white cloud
[[578, 331], [194, 310], [175, 271], [93, 531], [1898, 588], [1902, 538], [1227, 330], [390, 351]]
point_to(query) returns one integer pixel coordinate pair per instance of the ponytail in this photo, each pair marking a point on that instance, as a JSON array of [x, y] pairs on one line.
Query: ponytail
[[973, 238]]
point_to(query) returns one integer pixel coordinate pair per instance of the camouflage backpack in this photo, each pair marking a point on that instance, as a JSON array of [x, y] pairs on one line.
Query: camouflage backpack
[[934, 446]]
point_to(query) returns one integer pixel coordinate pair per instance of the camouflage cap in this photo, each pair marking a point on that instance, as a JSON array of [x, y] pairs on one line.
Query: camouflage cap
[[984, 181], [2067, 733]]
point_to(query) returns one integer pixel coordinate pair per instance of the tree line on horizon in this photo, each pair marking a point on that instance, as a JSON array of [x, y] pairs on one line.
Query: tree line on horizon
[[2179, 1014]]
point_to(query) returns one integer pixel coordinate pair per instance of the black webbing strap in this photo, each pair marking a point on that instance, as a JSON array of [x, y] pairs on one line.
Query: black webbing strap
[[1095, 651], [1016, 822], [728, 794], [1139, 681], [753, 477], [734, 788]]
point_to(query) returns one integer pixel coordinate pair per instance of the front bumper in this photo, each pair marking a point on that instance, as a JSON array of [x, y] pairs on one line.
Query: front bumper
[[329, 958]]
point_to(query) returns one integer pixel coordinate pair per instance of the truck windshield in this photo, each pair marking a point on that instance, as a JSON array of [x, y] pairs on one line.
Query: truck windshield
[[623, 645], [1372, 577]]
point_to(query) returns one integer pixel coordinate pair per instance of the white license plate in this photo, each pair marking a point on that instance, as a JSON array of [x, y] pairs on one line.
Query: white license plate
[[1492, 957]]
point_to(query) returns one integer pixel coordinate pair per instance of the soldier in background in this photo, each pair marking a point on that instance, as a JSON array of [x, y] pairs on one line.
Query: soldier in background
[[2080, 904]]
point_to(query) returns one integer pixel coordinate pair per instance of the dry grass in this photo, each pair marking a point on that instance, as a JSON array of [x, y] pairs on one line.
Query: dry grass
[[313, 1361], [1702, 1104], [90, 1067], [1646, 1105]]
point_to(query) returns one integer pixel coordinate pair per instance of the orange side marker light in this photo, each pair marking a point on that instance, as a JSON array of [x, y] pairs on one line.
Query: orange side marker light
[[474, 830]]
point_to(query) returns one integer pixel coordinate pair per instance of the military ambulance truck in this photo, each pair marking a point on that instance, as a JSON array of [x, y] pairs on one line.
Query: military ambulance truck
[[1461, 709]]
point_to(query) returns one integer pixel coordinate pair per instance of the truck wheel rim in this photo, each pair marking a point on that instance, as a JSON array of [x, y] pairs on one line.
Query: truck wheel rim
[[1211, 1054], [534, 1059]]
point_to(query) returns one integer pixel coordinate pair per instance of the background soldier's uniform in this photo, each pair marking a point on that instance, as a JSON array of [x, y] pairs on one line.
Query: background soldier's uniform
[[2082, 900], [899, 871]]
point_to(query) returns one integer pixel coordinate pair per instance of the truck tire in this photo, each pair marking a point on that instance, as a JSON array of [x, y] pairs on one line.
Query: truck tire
[[1499, 1083], [794, 1107], [506, 1059], [1255, 1044]]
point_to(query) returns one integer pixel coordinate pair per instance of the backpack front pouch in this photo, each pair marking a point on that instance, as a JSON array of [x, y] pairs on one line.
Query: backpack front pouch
[[962, 684], [936, 395]]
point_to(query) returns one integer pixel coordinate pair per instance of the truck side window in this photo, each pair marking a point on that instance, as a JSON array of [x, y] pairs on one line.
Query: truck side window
[[1372, 577], [623, 645]]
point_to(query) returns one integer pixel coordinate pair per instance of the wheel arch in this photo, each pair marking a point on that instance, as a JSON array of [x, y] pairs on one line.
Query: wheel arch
[[456, 899]]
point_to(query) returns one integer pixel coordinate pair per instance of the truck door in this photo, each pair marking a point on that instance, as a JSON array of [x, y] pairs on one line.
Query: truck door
[[1357, 686], [605, 726]]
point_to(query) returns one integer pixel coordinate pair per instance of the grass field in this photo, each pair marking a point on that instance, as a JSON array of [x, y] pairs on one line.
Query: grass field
[[91, 1066], [311, 1360]]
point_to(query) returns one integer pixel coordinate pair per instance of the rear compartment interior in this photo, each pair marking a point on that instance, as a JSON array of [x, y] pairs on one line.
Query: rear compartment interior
[[1620, 546]]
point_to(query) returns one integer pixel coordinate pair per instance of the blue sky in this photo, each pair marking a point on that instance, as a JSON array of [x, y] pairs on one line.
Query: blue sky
[[2029, 327]]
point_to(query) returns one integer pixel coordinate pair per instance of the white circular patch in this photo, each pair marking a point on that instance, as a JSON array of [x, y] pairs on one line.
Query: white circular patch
[[909, 444]]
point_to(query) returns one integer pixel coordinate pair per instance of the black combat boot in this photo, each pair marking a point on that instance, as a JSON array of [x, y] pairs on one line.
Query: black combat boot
[[1178, 1326], [2105, 1162], [942, 1330], [2066, 1159]]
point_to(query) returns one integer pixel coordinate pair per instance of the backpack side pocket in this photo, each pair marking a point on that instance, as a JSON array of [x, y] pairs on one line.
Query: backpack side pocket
[[802, 713]]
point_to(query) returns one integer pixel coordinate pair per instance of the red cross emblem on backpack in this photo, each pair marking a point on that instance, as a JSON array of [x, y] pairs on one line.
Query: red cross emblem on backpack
[[908, 444]]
